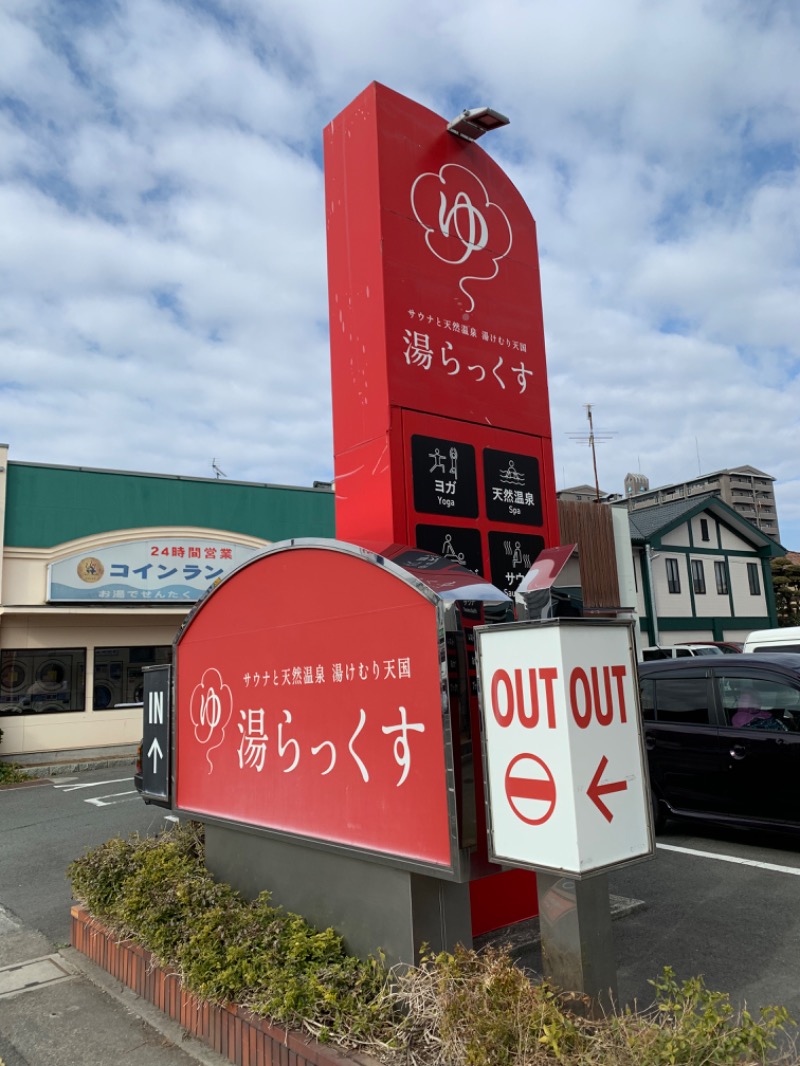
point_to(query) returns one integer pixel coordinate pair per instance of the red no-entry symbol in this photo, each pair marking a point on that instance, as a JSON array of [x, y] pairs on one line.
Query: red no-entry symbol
[[530, 789]]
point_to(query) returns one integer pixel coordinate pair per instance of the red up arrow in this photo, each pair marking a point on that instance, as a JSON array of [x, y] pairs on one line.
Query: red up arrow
[[596, 791]]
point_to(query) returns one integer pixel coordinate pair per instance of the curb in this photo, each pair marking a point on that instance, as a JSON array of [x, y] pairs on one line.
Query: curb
[[242, 1038], [59, 768]]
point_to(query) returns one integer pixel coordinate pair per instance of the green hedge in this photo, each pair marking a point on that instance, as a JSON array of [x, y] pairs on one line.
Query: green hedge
[[157, 891]]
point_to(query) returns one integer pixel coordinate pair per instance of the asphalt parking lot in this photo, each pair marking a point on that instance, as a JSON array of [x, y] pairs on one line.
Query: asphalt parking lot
[[724, 904]]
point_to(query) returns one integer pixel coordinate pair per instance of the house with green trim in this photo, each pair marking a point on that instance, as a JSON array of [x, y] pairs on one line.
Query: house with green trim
[[702, 572]]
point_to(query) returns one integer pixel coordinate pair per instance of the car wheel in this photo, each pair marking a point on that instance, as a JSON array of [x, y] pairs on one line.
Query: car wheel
[[658, 812]]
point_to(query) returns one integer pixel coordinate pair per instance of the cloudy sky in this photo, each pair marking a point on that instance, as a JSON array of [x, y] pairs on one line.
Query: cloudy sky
[[163, 297]]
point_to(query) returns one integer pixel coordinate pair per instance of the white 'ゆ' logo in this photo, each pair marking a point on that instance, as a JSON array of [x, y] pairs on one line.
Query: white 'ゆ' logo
[[461, 223], [465, 222], [210, 709]]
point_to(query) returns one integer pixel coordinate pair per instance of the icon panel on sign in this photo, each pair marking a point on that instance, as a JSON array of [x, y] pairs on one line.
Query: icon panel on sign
[[513, 491], [454, 543], [444, 477]]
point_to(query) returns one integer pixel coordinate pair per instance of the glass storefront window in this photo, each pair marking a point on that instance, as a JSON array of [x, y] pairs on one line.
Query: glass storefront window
[[42, 681], [118, 675]]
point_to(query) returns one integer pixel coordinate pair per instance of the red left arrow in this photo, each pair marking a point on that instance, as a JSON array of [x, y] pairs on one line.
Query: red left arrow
[[596, 791]]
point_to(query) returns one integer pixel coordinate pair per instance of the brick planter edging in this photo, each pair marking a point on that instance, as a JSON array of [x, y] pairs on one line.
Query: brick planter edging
[[241, 1037]]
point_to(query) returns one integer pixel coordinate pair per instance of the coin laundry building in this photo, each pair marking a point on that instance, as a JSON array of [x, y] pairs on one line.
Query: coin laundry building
[[99, 570]]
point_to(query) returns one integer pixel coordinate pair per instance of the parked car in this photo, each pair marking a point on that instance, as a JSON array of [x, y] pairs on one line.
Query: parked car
[[722, 735], [727, 647], [677, 651]]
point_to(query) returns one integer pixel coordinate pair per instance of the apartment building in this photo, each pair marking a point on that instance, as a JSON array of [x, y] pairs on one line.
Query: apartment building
[[746, 489]]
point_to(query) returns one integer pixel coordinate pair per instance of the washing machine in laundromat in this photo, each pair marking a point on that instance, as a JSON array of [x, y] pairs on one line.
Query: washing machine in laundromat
[[50, 689], [135, 684], [103, 696], [13, 685]]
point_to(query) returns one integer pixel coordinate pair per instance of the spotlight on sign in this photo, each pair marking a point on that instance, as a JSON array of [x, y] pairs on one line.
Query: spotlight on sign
[[473, 123]]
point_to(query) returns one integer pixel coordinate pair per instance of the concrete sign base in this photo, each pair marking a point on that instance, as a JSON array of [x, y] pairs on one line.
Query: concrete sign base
[[369, 904]]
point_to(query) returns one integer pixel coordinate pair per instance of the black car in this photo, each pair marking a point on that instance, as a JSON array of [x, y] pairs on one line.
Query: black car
[[723, 739]]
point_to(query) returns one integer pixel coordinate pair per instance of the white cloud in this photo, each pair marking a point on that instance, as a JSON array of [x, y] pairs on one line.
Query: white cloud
[[162, 267]]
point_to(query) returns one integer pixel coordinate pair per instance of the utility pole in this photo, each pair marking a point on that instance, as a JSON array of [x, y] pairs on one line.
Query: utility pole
[[591, 440], [594, 453]]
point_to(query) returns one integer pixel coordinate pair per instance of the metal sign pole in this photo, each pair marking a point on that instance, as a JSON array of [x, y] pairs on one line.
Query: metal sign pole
[[577, 941]]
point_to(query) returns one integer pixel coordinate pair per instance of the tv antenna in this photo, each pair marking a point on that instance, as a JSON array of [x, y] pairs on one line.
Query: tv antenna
[[591, 439], [217, 472]]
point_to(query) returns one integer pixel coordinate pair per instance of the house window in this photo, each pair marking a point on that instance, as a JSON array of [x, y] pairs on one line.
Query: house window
[[721, 576], [753, 580], [673, 576], [704, 529], [698, 577]]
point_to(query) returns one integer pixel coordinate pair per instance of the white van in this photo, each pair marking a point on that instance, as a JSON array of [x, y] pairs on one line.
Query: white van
[[677, 651], [786, 639]]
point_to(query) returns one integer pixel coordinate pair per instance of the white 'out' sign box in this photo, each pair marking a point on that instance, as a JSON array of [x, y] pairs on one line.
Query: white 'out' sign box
[[566, 784]]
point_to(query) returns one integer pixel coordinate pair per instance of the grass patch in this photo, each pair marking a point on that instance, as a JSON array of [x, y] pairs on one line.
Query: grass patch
[[12, 774], [454, 1009]]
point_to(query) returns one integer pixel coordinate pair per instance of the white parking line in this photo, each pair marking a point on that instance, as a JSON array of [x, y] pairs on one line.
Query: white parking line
[[92, 784], [109, 800], [733, 858]]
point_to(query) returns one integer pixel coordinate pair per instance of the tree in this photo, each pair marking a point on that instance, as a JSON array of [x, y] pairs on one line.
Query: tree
[[786, 583]]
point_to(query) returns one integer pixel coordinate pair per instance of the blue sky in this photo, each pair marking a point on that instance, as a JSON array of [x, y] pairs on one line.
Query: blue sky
[[162, 263]]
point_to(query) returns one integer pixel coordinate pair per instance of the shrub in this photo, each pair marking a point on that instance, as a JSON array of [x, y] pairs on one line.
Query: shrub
[[11, 774], [693, 1025], [482, 1010], [157, 891]]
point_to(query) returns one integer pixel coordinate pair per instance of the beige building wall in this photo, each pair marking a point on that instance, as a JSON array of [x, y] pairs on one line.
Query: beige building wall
[[87, 728], [28, 622]]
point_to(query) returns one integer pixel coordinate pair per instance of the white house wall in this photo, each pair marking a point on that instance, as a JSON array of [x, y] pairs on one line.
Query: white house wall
[[671, 604], [678, 537], [685, 636], [710, 603], [712, 527], [730, 541], [743, 601]]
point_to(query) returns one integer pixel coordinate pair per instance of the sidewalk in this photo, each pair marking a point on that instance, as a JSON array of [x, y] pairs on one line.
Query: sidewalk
[[58, 1009]]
